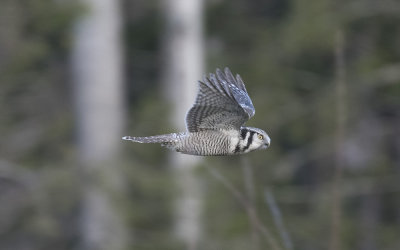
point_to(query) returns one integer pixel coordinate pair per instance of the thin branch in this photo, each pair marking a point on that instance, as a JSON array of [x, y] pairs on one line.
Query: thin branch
[[276, 214], [244, 202], [340, 126], [250, 191]]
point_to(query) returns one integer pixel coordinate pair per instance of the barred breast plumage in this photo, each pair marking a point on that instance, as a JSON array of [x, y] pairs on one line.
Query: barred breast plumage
[[215, 121]]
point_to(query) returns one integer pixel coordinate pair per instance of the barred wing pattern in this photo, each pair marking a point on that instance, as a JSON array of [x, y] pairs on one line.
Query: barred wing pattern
[[222, 102]]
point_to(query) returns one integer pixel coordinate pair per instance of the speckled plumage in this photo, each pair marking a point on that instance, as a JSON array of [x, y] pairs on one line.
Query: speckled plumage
[[215, 121]]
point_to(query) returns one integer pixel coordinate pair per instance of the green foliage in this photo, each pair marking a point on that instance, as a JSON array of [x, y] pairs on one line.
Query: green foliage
[[36, 36]]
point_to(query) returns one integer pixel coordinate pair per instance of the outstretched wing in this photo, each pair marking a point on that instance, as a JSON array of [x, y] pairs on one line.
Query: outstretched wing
[[222, 102]]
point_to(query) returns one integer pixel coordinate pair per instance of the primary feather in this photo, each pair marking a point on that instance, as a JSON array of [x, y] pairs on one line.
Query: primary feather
[[222, 102]]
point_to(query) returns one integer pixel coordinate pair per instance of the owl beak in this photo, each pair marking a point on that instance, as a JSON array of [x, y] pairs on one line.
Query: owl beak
[[265, 146]]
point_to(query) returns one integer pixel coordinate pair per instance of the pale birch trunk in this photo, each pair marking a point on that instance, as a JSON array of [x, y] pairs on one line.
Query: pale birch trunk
[[97, 76], [183, 67]]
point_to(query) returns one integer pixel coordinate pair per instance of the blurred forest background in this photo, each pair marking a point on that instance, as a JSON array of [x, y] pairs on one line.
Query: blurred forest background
[[76, 76]]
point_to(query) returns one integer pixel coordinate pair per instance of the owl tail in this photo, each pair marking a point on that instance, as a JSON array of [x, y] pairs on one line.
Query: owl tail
[[165, 140]]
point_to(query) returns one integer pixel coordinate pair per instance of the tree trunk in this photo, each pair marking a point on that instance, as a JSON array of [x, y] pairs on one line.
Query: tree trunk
[[96, 69], [341, 115], [369, 222], [183, 65]]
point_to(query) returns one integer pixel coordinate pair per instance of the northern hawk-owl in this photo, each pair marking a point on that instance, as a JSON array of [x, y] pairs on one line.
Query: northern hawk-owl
[[214, 123]]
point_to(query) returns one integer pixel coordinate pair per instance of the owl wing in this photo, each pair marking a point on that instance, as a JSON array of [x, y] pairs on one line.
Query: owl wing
[[222, 102]]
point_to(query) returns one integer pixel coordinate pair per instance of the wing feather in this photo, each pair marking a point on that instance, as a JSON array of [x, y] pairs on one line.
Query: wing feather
[[222, 102]]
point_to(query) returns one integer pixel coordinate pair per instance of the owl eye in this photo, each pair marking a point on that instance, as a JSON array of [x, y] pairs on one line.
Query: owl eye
[[260, 136]]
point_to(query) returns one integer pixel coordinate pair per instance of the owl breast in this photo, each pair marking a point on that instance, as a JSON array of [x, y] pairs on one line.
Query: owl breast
[[207, 142]]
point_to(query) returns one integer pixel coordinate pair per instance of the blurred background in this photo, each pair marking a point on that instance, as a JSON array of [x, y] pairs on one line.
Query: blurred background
[[76, 76]]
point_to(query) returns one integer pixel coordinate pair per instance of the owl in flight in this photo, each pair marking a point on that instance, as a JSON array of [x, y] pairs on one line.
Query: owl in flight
[[215, 122]]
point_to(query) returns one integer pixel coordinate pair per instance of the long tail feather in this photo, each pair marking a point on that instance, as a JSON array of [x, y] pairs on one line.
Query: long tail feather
[[167, 138]]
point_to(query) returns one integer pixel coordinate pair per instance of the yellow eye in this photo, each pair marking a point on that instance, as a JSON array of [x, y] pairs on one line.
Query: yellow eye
[[261, 137]]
